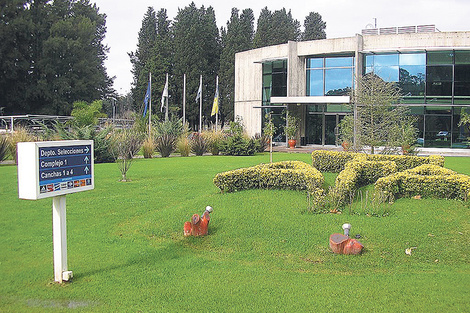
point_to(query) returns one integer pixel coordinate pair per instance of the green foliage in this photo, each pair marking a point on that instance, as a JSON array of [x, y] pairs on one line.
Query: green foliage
[[214, 138], [102, 139], [292, 126], [331, 161], [53, 54], [293, 175], [238, 145], [356, 173], [165, 144], [269, 127], [148, 147], [166, 134], [183, 145], [237, 127], [199, 144], [172, 126], [334, 161], [126, 143], [314, 27], [237, 37], [196, 51], [276, 27], [428, 181], [262, 142], [378, 121], [87, 114], [4, 147], [21, 134]]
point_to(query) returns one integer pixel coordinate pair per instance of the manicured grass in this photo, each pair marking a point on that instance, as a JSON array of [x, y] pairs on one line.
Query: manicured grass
[[263, 253]]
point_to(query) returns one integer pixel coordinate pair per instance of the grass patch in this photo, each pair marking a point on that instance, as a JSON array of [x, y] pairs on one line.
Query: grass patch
[[263, 253]]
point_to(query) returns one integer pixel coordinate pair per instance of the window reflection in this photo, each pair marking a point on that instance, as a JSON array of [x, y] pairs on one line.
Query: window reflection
[[335, 78]]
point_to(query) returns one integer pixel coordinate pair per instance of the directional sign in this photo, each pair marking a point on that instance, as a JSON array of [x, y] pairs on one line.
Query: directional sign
[[58, 168]]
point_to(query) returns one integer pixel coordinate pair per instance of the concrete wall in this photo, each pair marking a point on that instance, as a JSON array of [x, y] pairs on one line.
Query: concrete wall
[[428, 41], [248, 83]]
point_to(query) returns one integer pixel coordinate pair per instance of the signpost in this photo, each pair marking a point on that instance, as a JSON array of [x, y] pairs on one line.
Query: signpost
[[54, 169]]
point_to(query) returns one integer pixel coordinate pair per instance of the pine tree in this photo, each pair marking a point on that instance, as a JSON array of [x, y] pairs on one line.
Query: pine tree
[[275, 28], [141, 59], [314, 27], [237, 37], [196, 52]]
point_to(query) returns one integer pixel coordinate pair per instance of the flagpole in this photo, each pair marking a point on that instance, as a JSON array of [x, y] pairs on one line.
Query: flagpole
[[200, 106], [150, 106], [184, 99], [217, 112], [166, 100]]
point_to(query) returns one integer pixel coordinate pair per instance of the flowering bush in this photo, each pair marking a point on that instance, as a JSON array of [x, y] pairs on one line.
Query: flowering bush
[[427, 181], [294, 175], [334, 161]]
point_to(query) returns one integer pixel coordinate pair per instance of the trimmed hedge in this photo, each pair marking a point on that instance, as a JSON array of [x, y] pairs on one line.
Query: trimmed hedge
[[357, 173], [331, 161], [334, 161], [293, 175], [427, 181]]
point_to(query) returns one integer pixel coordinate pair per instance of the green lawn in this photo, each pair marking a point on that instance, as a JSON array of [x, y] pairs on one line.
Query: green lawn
[[264, 253]]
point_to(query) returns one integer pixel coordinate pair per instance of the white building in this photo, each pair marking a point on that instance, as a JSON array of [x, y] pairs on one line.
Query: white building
[[315, 78]]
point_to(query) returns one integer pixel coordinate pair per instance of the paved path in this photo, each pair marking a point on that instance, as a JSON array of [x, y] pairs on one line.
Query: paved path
[[421, 151]]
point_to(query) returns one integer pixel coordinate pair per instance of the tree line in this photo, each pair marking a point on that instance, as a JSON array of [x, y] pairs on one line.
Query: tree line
[[192, 44], [51, 55]]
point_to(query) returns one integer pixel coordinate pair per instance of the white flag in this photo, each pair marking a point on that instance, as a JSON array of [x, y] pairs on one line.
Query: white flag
[[164, 94], [199, 91]]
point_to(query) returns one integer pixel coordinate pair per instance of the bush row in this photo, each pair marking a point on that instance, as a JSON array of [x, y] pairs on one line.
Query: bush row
[[334, 161], [293, 175], [357, 173], [427, 181]]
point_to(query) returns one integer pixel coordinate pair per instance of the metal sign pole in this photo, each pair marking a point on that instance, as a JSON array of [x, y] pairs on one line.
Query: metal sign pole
[[59, 233]]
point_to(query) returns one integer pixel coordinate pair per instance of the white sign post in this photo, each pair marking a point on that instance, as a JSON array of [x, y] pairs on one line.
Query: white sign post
[[54, 169]]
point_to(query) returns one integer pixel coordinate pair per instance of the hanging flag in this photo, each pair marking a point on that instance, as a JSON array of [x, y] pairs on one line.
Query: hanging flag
[[199, 91], [146, 99], [164, 94], [215, 105]]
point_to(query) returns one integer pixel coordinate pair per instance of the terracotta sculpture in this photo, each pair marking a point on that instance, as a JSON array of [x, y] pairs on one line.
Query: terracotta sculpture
[[198, 226], [342, 244]]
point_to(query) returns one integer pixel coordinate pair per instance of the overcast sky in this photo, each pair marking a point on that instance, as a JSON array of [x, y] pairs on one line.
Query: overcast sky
[[344, 18]]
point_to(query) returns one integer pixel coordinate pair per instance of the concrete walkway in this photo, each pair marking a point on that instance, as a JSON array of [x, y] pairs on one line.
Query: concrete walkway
[[421, 151]]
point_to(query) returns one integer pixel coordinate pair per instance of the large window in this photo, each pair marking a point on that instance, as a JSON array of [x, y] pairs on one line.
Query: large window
[[408, 70], [274, 80], [333, 76]]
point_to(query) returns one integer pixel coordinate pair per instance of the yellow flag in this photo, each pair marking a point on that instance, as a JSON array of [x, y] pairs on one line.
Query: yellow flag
[[215, 105]]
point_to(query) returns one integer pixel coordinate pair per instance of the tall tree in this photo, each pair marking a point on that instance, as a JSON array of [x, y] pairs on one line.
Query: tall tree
[[141, 59], [314, 27], [15, 38], [237, 37], [196, 52], [72, 62], [378, 121], [53, 55], [275, 28]]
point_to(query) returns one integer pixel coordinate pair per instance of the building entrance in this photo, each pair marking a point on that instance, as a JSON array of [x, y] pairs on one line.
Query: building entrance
[[322, 128]]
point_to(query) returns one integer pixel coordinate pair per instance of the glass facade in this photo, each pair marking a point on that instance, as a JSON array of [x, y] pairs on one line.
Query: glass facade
[[440, 80], [275, 84], [327, 76], [435, 86], [330, 76]]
